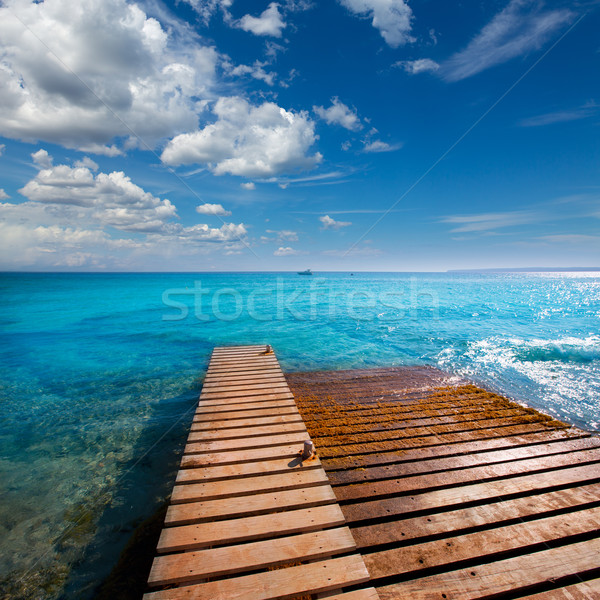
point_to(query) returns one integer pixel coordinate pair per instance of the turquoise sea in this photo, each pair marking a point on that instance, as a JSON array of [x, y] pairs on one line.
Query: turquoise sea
[[100, 374]]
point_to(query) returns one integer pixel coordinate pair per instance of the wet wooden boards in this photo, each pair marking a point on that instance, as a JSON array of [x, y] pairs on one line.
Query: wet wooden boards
[[454, 493], [249, 519]]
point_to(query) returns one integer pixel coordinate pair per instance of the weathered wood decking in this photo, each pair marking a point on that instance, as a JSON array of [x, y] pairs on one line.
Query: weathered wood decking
[[248, 519], [456, 493]]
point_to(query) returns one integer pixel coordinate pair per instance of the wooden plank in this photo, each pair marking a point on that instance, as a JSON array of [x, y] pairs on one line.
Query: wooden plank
[[500, 576], [244, 381], [275, 391], [481, 543], [215, 405], [248, 422], [252, 352], [201, 535], [585, 590], [451, 497], [259, 351], [467, 447], [284, 400], [403, 530], [364, 594], [245, 469], [242, 368], [238, 444], [431, 465], [192, 492], [191, 566], [244, 432], [381, 436], [240, 386], [239, 456], [228, 404], [225, 377], [217, 364], [482, 473], [287, 408], [282, 583], [183, 514], [434, 438], [382, 431]]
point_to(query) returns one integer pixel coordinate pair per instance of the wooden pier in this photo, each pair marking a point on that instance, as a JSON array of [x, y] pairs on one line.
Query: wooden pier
[[452, 492], [249, 519]]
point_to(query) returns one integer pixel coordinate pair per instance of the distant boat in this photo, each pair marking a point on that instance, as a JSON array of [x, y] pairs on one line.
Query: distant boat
[[307, 272]]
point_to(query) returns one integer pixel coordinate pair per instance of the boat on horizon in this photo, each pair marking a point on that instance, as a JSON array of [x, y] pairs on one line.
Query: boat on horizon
[[307, 272]]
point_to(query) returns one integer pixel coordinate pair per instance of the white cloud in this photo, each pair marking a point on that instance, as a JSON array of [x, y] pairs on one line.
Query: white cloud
[[332, 178], [3, 194], [213, 209], [379, 146], [339, 114], [83, 234], [490, 221], [329, 223], [2, 148], [421, 65], [284, 235], [87, 163], [248, 185], [269, 22], [113, 200], [252, 141], [80, 74], [285, 251], [391, 17], [257, 71], [562, 116], [102, 149], [42, 159], [206, 8], [519, 28]]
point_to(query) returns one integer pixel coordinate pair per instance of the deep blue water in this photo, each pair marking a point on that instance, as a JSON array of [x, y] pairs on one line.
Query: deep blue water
[[100, 375]]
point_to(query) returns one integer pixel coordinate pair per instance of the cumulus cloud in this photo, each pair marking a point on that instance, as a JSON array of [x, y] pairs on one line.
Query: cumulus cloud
[[78, 219], [521, 27], [257, 71], [252, 141], [248, 185], [87, 163], [329, 223], [213, 209], [421, 65], [284, 235], [81, 74], [207, 8], [339, 114], [379, 146], [2, 148], [391, 17], [3, 194], [112, 199], [270, 22], [42, 159], [285, 251]]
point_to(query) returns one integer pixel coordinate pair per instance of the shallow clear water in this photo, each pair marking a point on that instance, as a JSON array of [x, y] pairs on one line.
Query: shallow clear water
[[100, 375]]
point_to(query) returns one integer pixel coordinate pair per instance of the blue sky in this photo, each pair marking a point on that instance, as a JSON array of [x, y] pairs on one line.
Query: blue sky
[[197, 135]]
